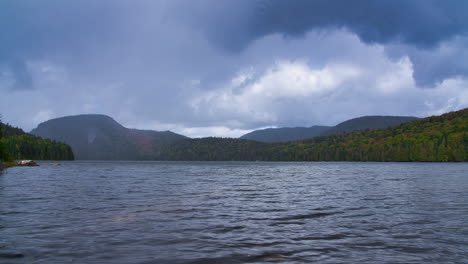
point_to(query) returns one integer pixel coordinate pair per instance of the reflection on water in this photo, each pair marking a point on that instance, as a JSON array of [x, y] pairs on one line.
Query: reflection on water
[[160, 212]]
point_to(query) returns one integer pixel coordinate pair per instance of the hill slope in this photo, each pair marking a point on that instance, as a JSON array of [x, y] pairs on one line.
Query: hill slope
[[272, 135], [99, 137], [285, 134], [368, 122], [17, 144], [436, 138]]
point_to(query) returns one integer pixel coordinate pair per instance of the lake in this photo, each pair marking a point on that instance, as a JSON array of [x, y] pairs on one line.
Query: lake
[[234, 212]]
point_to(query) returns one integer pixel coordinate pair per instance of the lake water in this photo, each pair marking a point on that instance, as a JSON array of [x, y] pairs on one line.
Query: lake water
[[194, 212]]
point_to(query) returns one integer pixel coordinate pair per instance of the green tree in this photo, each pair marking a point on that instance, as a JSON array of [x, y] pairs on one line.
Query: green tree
[[16, 144], [4, 155]]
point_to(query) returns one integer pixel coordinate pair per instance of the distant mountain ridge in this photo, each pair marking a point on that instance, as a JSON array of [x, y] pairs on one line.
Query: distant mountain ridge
[[434, 138], [99, 137], [369, 122], [285, 134]]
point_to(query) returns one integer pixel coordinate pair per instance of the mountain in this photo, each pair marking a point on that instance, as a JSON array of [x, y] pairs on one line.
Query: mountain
[[435, 138], [99, 137], [17, 144], [285, 134], [272, 135], [369, 122]]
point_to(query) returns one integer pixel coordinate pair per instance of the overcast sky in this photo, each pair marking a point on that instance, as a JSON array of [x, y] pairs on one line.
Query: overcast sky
[[224, 68]]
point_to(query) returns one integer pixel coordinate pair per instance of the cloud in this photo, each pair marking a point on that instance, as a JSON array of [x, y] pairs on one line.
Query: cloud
[[304, 93], [431, 67], [277, 88], [420, 24], [193, 132], [227, 67], [42, 116], [423, 23], [87, 34]]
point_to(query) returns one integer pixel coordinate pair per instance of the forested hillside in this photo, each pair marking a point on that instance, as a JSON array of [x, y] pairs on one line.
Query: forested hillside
[[3, 152], [436, 138], [20, 145], [215, 149], [368, 122], [285, 134]]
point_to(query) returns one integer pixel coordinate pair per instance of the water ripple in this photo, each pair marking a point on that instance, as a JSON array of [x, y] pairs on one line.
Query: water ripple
[[234, 212]]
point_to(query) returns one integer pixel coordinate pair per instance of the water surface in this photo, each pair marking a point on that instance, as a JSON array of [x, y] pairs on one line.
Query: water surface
[[234, 212]]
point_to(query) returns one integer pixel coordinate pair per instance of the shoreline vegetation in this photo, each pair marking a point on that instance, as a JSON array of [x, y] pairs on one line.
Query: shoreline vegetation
[[18, 148], [7, 164], [432, 139], [441, 138]]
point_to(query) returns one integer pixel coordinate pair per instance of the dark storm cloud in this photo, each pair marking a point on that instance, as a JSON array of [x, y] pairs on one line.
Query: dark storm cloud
[[433, 66], [84, 29], [105, 38], [222, 65], [422, 23]]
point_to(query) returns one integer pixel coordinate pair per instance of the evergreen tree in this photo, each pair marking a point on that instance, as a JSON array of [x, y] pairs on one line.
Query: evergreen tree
[[16, 144], [436, 138], [3, 153]]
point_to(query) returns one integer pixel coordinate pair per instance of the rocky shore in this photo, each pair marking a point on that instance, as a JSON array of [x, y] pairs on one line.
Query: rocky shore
[[18, 163]]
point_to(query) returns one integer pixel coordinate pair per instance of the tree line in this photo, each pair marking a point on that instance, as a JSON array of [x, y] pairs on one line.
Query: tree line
[[16, 144], [436, 138]]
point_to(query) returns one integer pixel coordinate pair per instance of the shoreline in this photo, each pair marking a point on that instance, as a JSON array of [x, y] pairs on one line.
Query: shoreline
[[6, 165], [20, 163]]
